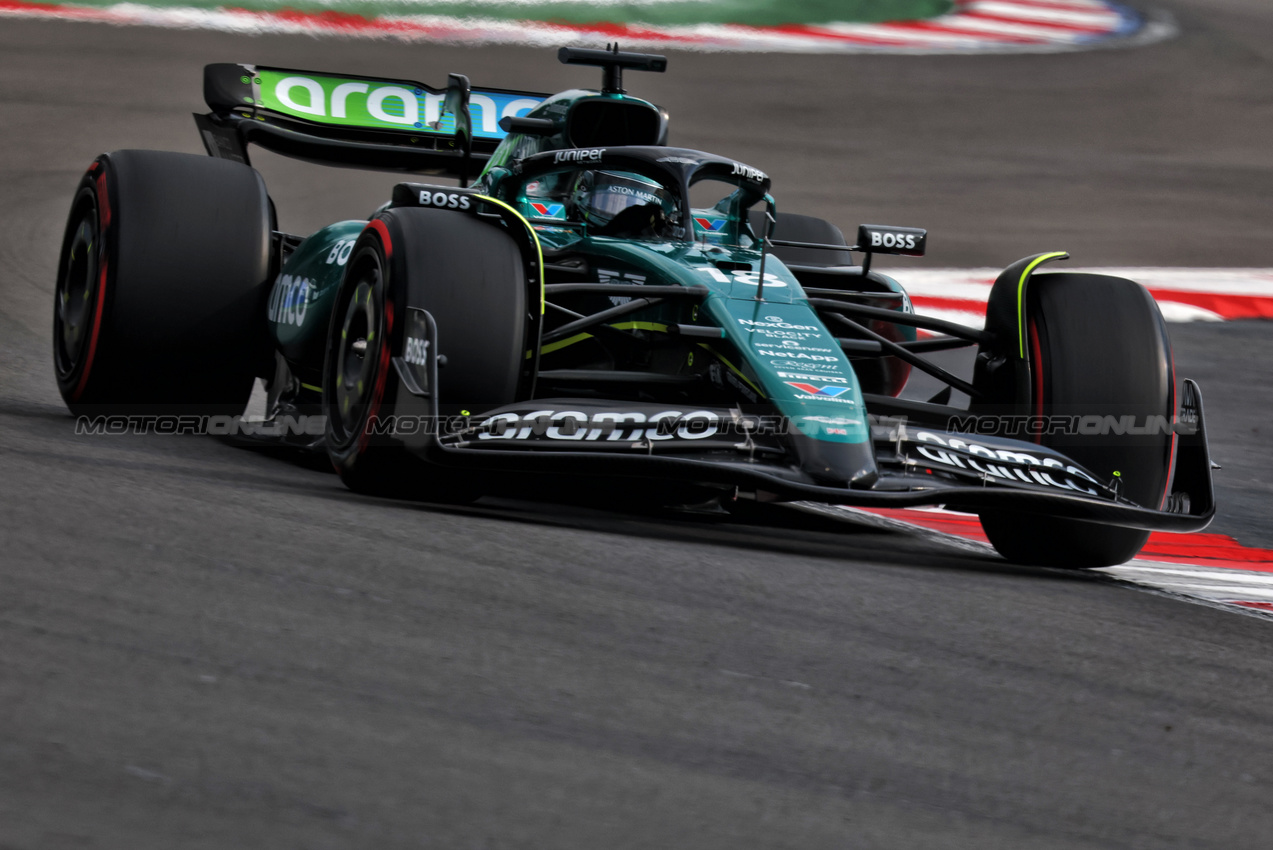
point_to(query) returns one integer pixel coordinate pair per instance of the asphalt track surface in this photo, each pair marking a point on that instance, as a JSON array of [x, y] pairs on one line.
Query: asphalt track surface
[[204, 646]]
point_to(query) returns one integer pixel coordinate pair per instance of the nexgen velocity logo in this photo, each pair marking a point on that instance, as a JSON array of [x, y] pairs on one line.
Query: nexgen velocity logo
[[826, 392]]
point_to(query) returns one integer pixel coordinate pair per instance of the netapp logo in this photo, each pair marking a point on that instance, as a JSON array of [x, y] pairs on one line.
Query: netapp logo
[[798, 355]]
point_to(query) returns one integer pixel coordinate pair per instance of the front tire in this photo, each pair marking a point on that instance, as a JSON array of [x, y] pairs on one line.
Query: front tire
[[1099, 352], [469, 276]]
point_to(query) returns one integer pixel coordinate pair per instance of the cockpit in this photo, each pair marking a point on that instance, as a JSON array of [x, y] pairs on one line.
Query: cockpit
[[641, 195], [619, 204]]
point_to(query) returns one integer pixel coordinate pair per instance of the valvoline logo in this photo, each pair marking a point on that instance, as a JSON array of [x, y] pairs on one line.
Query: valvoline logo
[[810, 389], [710, 225], [549, 210]]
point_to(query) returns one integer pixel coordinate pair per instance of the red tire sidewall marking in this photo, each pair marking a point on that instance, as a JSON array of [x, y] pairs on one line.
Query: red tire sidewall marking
[[103, 202], [383, 232], [1171, 447], [104, 220], [382, 372]]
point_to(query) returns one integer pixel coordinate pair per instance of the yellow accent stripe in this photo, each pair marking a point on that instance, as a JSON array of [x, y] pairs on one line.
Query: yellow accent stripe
[[759, 392], [622, 326], [534, 236], [311, 387], [1025, 275], [560, 344]]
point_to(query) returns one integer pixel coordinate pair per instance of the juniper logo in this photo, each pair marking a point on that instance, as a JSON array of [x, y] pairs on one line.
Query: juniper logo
[[588, 155], [750, 173]]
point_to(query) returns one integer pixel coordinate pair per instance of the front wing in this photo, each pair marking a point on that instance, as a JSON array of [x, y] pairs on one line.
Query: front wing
[[750, 450]]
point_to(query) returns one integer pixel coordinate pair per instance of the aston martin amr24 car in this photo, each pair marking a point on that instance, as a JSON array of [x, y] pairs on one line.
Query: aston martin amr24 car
[[586, 301]]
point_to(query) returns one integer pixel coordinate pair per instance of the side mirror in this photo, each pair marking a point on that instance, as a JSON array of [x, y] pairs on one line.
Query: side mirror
[[527, 126], [771, 217]]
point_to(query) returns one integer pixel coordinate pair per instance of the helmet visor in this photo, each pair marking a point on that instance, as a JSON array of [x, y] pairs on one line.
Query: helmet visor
[[611, 193]]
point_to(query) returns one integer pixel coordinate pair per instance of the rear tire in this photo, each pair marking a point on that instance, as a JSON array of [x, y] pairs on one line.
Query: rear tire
[[1098, 348], [161, 286], [469, 276]]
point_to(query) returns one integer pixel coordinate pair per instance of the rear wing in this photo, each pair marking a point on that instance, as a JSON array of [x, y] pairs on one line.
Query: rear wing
[[355, 122]]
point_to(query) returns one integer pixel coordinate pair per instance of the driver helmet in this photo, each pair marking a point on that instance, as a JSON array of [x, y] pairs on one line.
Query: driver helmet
[[601, 198]]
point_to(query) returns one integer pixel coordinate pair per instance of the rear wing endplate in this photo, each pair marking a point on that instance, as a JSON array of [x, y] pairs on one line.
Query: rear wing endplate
[[353, 121]]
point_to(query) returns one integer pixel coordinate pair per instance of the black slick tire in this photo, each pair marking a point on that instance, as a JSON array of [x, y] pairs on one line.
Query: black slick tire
[[161, 286], [1099, 353], [469, 276]]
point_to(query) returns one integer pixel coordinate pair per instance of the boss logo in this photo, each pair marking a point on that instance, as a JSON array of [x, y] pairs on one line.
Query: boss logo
[[445, 200], [417, 351], [892, 240]]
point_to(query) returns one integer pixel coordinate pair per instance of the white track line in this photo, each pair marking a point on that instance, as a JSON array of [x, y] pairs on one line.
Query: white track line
[[1217, 587], [975, 26], [960, 295], [976, 283]]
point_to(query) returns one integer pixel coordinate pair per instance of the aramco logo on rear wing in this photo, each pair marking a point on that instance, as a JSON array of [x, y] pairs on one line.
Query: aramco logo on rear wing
[[383, 105]]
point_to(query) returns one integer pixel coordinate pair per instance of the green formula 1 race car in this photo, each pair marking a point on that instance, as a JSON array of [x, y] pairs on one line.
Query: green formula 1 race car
[[589, 303]]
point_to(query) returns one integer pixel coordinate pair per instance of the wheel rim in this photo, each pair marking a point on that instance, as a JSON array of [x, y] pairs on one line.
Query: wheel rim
[[74, 298], [356, 348]]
